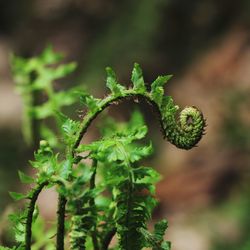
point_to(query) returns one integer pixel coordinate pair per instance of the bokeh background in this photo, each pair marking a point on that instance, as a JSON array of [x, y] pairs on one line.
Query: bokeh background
[[205, 192]]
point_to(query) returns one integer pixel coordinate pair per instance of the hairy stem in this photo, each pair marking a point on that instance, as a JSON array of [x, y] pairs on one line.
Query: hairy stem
[[28, 228], [108, 101], [92, 179], [92, 203], [60, 222], [128, 214]]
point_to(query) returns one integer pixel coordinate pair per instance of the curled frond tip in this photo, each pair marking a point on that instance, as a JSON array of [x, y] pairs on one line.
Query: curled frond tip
[[186, 132]]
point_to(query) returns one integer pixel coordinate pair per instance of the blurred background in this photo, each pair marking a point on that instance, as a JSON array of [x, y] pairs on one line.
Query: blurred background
[[204, 192]]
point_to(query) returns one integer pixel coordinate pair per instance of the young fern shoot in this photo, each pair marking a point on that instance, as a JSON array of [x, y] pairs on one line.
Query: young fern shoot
[[115, 194]]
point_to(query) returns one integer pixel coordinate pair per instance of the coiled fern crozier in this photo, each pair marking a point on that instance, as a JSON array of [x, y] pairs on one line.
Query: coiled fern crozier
[[102, 187]]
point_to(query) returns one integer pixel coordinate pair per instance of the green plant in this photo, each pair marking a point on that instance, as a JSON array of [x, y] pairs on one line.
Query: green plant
[[114, 194]]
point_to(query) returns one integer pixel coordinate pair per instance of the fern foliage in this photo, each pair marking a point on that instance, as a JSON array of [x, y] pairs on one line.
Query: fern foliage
[[35, 78], [102, 186], [131, 185]]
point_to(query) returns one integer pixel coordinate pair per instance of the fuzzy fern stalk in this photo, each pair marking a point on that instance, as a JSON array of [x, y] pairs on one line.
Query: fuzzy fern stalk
[[114, 195]]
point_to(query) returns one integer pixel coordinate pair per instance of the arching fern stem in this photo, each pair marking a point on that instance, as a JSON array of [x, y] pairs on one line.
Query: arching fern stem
[[134, 95], [60, 222], [92, 202], [33, 198]]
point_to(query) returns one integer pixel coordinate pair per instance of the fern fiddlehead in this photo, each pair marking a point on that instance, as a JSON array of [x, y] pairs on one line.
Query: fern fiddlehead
[[184, 133]]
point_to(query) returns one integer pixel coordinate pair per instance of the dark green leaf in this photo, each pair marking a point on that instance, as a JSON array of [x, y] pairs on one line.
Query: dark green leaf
[[65, 98], [63, 70], [49, 56], [50, 136], [70, 129], [25, 178], [160, 228], [166, 245], [92, 103], [112, 83], [43, 111], [17, 196], [157, 90], [137, 79], [66, 169], [138, 153], [136, 120]]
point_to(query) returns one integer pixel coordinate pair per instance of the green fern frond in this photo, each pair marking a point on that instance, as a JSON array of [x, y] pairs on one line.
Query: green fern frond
[[184, 132], [120, 200]]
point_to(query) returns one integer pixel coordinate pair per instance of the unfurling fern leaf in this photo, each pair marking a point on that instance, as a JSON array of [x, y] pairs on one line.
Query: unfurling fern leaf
[[118, 201]]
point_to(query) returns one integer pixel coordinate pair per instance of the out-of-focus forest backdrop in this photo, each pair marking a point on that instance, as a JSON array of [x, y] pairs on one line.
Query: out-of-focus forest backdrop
[[205, 192]]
